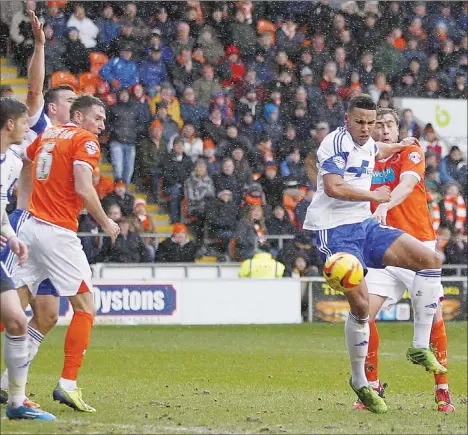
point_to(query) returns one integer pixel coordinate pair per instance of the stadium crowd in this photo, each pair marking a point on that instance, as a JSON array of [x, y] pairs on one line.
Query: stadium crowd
[[216, 109]]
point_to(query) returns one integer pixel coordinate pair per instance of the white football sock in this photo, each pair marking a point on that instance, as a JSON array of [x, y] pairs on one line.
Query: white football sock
[[357, 341], [34, 341], [425, 293], [67, 384], [17, 361]]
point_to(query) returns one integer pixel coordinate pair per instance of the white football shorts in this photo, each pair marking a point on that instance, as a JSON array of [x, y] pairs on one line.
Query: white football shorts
[[55, 253], [392, 282]]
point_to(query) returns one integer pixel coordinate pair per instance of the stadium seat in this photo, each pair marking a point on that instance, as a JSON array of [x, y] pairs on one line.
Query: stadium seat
[[63, 78], [88, 81], [97, 60]]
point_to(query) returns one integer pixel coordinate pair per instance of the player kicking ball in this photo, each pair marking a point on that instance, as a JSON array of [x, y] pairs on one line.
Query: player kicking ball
[[14, 126], [340, 213], [407, 210]]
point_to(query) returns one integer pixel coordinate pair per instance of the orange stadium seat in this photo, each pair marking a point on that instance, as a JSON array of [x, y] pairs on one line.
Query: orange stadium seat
[[97, 59], [62, 78], [88, 81]]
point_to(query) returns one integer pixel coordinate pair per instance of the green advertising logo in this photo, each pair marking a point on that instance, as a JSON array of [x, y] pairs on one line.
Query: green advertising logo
[[442, 117]]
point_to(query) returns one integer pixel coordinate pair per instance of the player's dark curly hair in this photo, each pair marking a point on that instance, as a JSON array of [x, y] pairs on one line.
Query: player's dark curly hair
[[361, 101], [10, 108], [84, 102]]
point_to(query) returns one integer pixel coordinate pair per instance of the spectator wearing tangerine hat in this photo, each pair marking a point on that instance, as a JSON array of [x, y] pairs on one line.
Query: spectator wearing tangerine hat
[[121, 197], [103, 185], [211, 161], [177, 248], [141, 222], [152, 151]]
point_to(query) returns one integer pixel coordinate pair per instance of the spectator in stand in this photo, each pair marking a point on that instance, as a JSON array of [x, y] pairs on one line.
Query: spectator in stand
[[247, 125], [125, 127], [108, 28], [213, 127], [410, 81], [434, 71], [329, 78], [164, 25], [22, 37], [121, 197], [460, 89], [414, 130], [76, 56], [250, 231], [456, 250], [454, 207], [262, 154], [176, 168], [249, 83], [121, 72], [212, 47], [177, 248], [183, 39], [152, 151], [141, 222], [88, 31], [233, 140], [54, 50], [142, 101], [292, 168], [156, 41], [153, 71], [272, 184], [332, 111], [103, 185], [314, 93], [185, 70], [414, 51], [170, 127], [6, 91], [127, 248], [379, 86], [190, 111], [301, 245], [432, 88], [226, 179], [388, 58], [219, 23], [300, 210], [430, 141], [193, 145], [90, 244], [271, 125], [450, 166], [366, 70], [166, 95], [221, 220], [199, 190], [242, 35], [113, 211], [140, 29], [301, 121], [231, 68], [56, 18], [241, 166], [289, 38], [206, 86], [209, 157], [278, 224], [125, 38]]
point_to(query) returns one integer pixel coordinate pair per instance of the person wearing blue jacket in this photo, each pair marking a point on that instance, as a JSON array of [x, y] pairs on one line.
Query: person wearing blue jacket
[[121, 72], [108, 28], [153, 71]]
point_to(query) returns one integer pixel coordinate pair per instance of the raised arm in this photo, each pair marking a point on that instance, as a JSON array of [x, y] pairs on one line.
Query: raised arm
[[36, 72], [387, 149], [335, 187]]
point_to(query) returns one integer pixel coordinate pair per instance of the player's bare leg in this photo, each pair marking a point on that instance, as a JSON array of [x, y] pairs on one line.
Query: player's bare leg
[[45, 314], [372, 358], [17, 359], [439, 345], [76, 343], [410, 253], [357, 341]]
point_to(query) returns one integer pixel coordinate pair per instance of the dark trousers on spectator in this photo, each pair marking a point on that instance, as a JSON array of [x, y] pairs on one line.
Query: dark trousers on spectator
[[225, 237], [123, 161], [175, 194], [22, 53], [155, 174]]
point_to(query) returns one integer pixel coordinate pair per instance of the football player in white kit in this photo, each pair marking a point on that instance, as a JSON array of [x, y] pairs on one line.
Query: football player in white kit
[[54, 109], [340, 213], [14, 126]]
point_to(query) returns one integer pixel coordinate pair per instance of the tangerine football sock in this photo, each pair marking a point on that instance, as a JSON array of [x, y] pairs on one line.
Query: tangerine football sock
[[76, 343], [439, 344], [372, 358]]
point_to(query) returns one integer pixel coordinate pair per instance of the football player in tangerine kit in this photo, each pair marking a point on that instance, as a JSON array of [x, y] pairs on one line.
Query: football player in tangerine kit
[[63, 159], [408, 211]]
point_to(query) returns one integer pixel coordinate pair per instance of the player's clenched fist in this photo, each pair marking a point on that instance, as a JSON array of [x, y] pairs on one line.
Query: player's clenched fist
[[382, 194], [19, 248], [112, 229]]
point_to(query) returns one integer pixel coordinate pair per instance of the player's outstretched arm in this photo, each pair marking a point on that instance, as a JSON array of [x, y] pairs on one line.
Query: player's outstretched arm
[[387, 149], [36, 72], [335, 187], [85, 189]]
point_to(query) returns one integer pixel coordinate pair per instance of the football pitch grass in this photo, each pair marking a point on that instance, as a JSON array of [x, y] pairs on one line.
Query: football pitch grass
[[240, 379]]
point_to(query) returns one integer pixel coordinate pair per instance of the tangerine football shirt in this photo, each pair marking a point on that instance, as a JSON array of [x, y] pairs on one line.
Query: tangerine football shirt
[[412, 215], [54, 155]]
